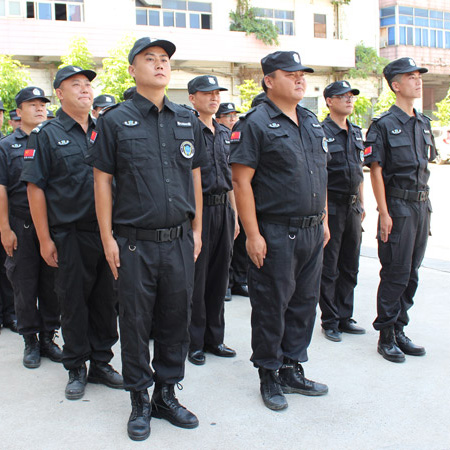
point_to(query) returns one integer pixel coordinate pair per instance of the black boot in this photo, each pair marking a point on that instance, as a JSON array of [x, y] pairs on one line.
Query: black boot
[[407, 346], [166, 406], [270, 388], [387, 347], [293, 380], [139, 422], [48, 347], [103, 373], [77, 383], [31, 354]]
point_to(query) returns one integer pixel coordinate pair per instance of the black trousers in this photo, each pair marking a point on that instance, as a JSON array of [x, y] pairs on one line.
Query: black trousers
[[239, 260], [211, 277], [7, 313], [284, 293], [33, 282], [85, 288], [400, 260], [155, 291], [340, 264]]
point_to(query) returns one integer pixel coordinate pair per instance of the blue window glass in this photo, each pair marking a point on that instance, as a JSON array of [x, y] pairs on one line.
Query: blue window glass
[[434, 23], [391, 36], [437, 14], [421, 12], [74, 13], [45, 11], [387, 11], [173, 4], [440, 39], [432, 38], [418, 41], [402, 35], [153, 18], [406, 20], [289, 28], [405, 10], [421, 22], [289, 15], [180, 19], [447, 39], [168, 20], [425, 38], [409, 36], [447, 24], [194, 20], [141, 17], [387, 21], [199, 6], [447, 16], [279, 25]]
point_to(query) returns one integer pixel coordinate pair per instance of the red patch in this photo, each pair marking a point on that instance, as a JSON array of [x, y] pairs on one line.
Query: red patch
[[235, 136], [367, 151], [93, 137], [29, 153]]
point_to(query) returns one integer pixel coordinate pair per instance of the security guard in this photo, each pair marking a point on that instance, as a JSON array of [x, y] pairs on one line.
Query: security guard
[[30, 276], [399, 145], [153, 150], [2, 116], [60, 192], [279, 157], [14, 120], [100, 102], [207, 328], [227, 115], [345, 213]]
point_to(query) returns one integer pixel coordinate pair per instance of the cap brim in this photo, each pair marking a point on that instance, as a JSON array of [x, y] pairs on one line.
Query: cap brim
[[89, 74], [168, 46], [298, 67], [343, 91], [44, 99], [212, 88], [102, 105]]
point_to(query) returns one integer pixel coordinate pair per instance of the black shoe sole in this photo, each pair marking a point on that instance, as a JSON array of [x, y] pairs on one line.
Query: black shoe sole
[[291, 390], [32, 366], [275, 407], [330, 338], [391, 358], [74, 396], [196, 361], [352, 331], [169, 418], [220, 355], [139, 437], [96, 380], [414, 354]]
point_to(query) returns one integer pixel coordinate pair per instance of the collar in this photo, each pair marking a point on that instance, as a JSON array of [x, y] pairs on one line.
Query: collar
[[402, 116], [335, 128], [20, 134], [145, 106], [68, 122], [274, 111]]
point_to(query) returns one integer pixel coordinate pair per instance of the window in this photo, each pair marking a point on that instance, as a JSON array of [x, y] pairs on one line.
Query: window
[[320, 25], [174, 13], [10, 8], [282, 19], [55, 10], [312, 103]]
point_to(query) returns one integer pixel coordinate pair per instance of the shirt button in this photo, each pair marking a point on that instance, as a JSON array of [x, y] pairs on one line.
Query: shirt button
[[170, 200], [161, 125], [314, 195], [165, 163], [311, 172], [167, 180], [163, 144]]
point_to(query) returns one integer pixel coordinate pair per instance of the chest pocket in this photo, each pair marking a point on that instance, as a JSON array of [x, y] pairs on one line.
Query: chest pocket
[[280, 148], [318, 141], [16, 157], [133, 145], [401, 151], [430, 151], [337, 153], [71, 158]]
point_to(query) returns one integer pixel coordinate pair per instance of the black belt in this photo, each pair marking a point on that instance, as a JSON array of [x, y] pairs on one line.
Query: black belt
[[141, 234], [293, 222], [348, 199], [215, 199], [21, 214], [87, 226], [412, 196]]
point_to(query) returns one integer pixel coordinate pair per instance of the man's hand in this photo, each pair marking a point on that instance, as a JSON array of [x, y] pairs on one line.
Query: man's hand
[[385, 227], [237, 228], [257, 250], [363, 213], [326, 234], [197, 243], [111, 250], [49, 253], [9, 241]]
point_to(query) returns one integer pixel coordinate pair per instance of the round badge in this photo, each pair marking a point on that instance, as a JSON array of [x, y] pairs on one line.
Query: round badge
[[296, 58], [325, 145], [36, 91], [361, 155], [187, 149]]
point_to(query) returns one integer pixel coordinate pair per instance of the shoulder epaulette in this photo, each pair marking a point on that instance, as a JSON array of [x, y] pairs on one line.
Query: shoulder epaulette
[[222, 127], [429, 118], [38, 128], [190, 109], [309, 111], [108, 108], [354, 125], [250, 111], [384, 114]]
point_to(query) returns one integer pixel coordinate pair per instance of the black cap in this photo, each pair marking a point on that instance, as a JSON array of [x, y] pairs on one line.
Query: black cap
[[226, 108], [339, 88], [13, 115], [146, 42], [2, 108], [103, 101], [30, 93], [287, 61], [50, 114], [258, 99], [129, 93], [402, 65], [69, 71], [204, 83]]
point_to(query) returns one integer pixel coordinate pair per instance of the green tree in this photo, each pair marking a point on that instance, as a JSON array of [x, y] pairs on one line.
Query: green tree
[[115, 78], [14, 77], [443, 111], [247, 92], [78, 54], [385, 101], [245, 18], [367, 63], [360, 111]]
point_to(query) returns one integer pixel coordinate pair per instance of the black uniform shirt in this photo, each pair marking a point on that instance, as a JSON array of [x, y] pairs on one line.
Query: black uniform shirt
[[347, 153], [290, 161], [151, 154], [402, 146], [216, 173], [55, 162], [12, 148]]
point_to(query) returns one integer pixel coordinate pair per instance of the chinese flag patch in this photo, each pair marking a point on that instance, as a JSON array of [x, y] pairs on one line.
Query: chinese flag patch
[[29, 153], [367, 151], [235, 136], [93, 137]]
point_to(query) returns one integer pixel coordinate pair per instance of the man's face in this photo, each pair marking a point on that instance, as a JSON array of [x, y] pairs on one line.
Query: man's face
[[32, 112], [287, 85], [206, 102], [409, 85], [14, 124], [96, 111], [228, 119], [341, 104], [151, 68], [75, 93]]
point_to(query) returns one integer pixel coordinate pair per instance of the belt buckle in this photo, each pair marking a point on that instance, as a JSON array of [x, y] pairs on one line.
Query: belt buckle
[[163, 234], [353, 199], [423, 195]]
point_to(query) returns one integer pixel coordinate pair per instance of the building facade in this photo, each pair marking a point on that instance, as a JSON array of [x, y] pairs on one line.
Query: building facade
[[325, 34]]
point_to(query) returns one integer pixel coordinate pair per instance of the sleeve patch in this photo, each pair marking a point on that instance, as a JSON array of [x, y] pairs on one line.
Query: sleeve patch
[[235, 137], [367, 151], [29, 153], [93, 137]]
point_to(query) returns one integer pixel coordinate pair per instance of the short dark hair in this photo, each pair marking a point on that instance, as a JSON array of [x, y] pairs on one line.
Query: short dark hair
[[396, 78]]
